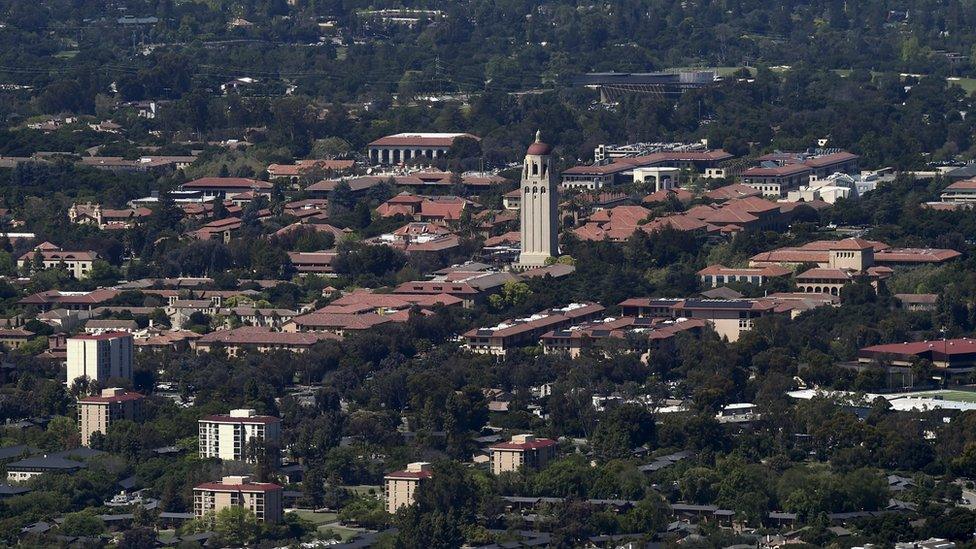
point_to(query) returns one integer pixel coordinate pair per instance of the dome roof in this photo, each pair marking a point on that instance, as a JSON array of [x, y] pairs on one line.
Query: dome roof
[[539, 148]]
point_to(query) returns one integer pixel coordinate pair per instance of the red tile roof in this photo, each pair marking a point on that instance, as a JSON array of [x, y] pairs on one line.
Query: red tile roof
[[249, 487], [532, 445], [736, 190], [409, 475], [124, 397], [256, 335]]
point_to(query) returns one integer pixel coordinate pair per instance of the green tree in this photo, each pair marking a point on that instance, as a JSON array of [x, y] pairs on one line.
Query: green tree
[[84, 523], [236, 525]]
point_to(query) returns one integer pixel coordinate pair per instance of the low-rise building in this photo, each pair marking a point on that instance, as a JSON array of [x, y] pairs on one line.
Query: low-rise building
[[258, 339], [957, 355], [12, 338], [853, 254], [403, 147], [519, 332], [313, 262], [960, 192], [522, 451], [226, 436], [97, 413], [294, 172], [638, 334], [621, 170], [918, 302], [46, 256], [718, 275], [401, 486], [264, 499], [225, 188], [729, 317]]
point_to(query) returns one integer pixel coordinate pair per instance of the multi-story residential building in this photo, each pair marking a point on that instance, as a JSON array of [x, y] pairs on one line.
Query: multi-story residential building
[[402, 147], [401, 486], [261, 498], [227, 436], [522, 451], [97, 413], [77, 263], [99, 357]]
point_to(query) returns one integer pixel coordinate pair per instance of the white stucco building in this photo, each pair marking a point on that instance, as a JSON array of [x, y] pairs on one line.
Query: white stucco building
[[100, 357]]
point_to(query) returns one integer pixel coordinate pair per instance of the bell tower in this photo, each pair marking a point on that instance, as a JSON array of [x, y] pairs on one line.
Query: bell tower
[[540, 201]]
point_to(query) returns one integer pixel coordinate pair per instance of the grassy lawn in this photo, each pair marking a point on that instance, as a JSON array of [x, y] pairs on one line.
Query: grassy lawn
[[967, 84], [364, 489], [320, 520], [958, 396], [67, 54], [317, 519]]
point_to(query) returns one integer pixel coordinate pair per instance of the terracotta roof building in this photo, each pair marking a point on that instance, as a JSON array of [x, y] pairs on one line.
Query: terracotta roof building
[[518, 332], [258, 339], [78, 263], [97, 413], [264, 499], [400, 487], [522, 451]]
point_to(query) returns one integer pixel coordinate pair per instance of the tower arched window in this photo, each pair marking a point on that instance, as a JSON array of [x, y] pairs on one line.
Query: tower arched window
[[535, 190], [526, 190], [545, 168], [542, 190], [535, 168]]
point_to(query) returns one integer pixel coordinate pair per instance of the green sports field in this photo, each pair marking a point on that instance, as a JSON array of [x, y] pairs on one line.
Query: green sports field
[[958, 396]]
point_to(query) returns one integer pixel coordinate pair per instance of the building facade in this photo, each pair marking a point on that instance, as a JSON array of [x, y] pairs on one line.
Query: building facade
[[540, 200], [97, 413], [227, 436], [99, 357], [403, 147], [521, 451], [401, 486], [46, 256], [261, 498]]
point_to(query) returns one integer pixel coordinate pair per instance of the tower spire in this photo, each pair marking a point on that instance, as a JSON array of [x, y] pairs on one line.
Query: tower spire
[[538, 136]]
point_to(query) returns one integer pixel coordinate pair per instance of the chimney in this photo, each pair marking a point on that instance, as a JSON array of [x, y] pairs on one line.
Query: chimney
[[523, 439]]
